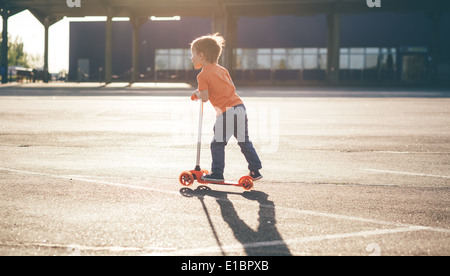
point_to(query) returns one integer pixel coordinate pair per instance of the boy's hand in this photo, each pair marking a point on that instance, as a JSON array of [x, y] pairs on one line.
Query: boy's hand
[[194, 97], [197, 95]]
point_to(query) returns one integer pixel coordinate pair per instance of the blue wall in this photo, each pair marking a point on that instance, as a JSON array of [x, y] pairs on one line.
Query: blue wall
[[87, 39]]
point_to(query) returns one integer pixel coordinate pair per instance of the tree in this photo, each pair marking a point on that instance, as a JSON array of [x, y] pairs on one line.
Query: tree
[[16, 54]]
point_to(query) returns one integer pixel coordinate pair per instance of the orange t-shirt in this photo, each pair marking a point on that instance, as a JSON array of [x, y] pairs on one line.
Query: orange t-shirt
[[222, 92]]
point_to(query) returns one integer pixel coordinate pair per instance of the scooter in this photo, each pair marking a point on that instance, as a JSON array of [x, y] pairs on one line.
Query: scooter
[[187, 178]]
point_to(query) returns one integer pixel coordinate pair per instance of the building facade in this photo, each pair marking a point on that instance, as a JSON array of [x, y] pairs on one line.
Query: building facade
[[374, 48]]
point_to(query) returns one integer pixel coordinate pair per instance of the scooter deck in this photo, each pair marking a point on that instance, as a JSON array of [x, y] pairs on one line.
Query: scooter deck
[[235, 183], [248, 185], [225, 182]]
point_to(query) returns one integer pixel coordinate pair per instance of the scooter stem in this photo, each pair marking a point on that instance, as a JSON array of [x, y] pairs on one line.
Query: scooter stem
[[199, 141]]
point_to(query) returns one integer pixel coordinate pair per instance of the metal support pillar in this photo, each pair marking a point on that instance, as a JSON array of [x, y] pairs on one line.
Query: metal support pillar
[[224, 23], [231, 42], [108, 47], [46, 21], [334, 31], [435, 18], [219, 24], [137, 23], [46, 27], [4, 50]]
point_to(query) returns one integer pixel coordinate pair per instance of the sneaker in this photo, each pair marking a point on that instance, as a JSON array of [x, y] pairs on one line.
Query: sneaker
[[255, 175], [213, 177]]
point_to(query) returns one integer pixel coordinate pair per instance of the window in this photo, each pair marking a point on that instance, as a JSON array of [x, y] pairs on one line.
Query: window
[[356, 58], [173, 59], [162, 59], [264, 59], [176, 59], [246, 59], [367, 58], [281, 58], [310, 56], [323, 58], [387, 58], [372, 55], [294, 58], [344, 58]]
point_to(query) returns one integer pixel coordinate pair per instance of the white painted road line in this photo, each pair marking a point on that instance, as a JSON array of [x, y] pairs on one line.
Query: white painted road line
[[71, 177], [294, 210], [406, 173], [401, 227], [239, 247], [74, 248]]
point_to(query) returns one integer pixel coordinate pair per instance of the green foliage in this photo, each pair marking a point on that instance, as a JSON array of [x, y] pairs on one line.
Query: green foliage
[[16, 54]]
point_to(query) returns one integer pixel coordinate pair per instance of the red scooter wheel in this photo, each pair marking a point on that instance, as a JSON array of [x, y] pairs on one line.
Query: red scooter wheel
[[186, 179], [246, 182]]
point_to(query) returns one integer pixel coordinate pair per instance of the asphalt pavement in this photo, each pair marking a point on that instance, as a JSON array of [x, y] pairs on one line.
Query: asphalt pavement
[[88, 169]]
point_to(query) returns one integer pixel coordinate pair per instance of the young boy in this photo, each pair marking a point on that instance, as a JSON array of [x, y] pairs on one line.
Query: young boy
[[215, 85]]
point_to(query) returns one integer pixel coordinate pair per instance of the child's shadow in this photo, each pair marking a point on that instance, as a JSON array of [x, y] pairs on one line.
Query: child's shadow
[[265, 240]]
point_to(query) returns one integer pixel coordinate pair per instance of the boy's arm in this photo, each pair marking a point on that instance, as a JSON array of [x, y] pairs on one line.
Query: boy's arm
[[203, 95]]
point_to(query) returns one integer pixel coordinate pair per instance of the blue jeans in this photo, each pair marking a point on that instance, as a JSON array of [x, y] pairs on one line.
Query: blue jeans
[[233, 122]]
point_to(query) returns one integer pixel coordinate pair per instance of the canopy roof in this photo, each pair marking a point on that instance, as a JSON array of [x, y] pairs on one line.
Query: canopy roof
[[57, 9]]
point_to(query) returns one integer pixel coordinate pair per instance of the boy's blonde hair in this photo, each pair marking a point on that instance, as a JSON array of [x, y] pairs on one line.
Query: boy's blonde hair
[[210, 45]]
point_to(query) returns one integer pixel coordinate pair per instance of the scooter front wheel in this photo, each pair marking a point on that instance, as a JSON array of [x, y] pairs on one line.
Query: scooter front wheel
[[186, 179]]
